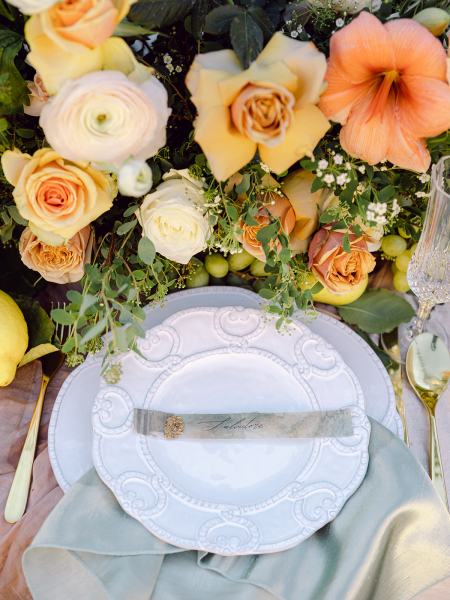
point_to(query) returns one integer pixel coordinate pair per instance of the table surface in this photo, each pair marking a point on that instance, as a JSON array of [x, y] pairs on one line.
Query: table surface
[[16, 407]]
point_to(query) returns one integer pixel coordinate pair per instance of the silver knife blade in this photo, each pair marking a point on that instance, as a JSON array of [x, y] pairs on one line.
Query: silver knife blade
[[254, 425]]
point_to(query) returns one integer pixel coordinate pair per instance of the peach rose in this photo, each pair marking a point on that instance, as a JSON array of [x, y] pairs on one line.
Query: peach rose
[[66, 40], [336, 269], [58, 264], [269, 107], [57, 196], [279, 207], [38, 97]]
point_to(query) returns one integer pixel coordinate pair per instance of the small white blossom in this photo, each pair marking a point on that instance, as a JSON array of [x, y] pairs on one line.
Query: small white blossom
[[178, 69], [421, 194], [294, 34], [338, 159], [340, 22], [424, 178], [329, 178], [380, 220], [342, 179], [348, 166], [135, 178], [362, 169], [167, 59], [299, 28], [322, 164], [395, 207], [360, 188], [319, 173], [264, 167], [371, 216], [383, 168]]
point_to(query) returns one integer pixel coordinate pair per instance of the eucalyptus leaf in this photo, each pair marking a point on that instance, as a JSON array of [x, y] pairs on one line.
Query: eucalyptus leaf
[[126, 227], [94, 331], [377, 311], [246, 37], [146, 251], [59, 315]]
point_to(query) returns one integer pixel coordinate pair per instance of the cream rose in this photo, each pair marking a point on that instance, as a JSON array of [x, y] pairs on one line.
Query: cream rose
[[269, 107], [31, 7], [106, 118], [172, 217], [66, 40], [57, 196], [58, 264]]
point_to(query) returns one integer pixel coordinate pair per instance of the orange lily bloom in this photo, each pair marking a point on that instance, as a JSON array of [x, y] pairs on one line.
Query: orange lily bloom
[[387, 85]]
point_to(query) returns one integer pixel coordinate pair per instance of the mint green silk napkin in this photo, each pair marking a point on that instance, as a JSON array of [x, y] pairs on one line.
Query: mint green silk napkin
[[390, 542]]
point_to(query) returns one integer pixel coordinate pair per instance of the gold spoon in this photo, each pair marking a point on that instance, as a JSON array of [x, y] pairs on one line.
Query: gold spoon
[[428, 370]]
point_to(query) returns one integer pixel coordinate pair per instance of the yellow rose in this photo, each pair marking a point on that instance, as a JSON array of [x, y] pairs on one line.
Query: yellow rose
[[58, 264], [269, 107], [67, 40], [57, 196]]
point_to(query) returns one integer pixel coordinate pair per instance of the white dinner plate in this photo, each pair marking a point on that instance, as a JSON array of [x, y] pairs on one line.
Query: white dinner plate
[[70, 429], [231, 496]]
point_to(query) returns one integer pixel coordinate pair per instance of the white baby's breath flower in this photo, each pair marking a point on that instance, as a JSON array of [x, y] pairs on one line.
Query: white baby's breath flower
[[342, 179], [421, 194], [294, 34], [329, 179], [340, 22], [135, 178], [362, 168], [381, 220], [322, 164], [338, 159], [371, 216], [424, 178], [395, 207]]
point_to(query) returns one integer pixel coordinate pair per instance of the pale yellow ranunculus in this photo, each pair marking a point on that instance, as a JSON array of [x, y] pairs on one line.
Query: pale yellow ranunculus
[[58, 197], [269, 107], [70, 38]]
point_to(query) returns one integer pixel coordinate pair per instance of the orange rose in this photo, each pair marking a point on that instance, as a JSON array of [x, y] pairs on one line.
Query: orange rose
[[335, 268], [58, 264], [279, 207]]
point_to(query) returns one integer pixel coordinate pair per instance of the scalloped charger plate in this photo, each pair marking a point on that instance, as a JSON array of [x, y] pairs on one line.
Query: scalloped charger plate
[[70, 430], [230, 497]]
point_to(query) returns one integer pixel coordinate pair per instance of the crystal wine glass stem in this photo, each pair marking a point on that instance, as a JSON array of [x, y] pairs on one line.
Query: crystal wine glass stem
[[423, 313]]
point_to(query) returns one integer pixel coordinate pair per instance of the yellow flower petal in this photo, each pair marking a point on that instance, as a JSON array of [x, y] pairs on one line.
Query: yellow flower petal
[[118, 56], [308, 127], [301, 58], [13, 162], [53, 64], [225, 148]]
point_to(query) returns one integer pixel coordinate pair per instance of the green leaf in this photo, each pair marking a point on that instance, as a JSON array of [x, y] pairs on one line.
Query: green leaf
[[246, 38], [266, 234], [386, 193], [40, 326], [59, 315], [126, 227], [377, 311], [155, 14], [130, 210], [198, 17], [218, 21], [13, 89], [231, 212], [260, 17], [86, 303], [266, 293], [243, 185], [94, 331], [6, 11], [346, 243], [127, 29], [317, 184], [146, 251], [327, 217], [12, 209]]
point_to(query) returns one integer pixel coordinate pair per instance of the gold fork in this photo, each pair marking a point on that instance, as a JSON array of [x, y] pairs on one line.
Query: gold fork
[[20, 487]]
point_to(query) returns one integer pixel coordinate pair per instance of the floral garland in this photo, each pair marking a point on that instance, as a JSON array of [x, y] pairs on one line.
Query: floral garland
[[150, 146]]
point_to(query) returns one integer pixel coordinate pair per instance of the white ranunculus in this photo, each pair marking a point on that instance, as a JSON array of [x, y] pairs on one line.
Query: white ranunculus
[[31, 7], [348, 6], [104, 117], [135, 178], [172, 217]]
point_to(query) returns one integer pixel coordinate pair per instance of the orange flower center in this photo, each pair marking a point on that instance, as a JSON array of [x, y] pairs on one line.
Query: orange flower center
[[378, 104]]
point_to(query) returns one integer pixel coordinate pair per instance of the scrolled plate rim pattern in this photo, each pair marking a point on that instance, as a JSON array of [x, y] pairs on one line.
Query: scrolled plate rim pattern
[[309, 500]]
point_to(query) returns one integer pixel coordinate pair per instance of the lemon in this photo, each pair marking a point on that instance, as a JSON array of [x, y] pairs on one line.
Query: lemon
[[334, 299], [13, 338]]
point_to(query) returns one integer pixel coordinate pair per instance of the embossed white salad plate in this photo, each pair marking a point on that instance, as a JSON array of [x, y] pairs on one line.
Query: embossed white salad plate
[[230, 496], [70, 430]]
